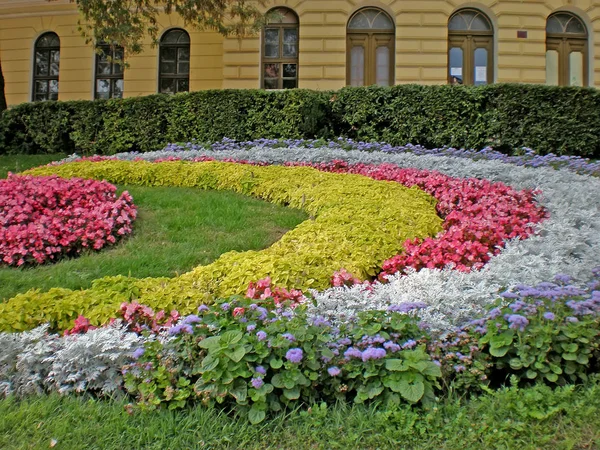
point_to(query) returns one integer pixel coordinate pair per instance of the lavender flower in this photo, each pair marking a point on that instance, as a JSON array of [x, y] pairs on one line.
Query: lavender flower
[[260, 369], [251, 327], [225, 306], [181, 328], [409, 344], [549, 316], [572, 319], [261, 335], [138, 353], [333, 371], [289, 336], [202, 308], [294, 355], [517, 321], [373, 353], [192, 318], [257, 383]]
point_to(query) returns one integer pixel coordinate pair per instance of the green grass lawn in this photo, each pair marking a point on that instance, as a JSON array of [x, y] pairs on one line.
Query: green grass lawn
[[18, 163], [176, 230], [533, 418]]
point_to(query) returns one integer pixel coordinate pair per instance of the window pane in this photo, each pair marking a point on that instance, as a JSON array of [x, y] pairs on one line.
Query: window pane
[[290, 84], [54, 62], [359, 21], [456, 65], [357, 66], [479, 23], [552, 67], [382, 21], [458, 22], [270, 83], [102, 88], [41, 87], [290, 43], [575, 26], [183, 54], [553, 25], [117, 69], [168, 54], [271, 71], [167, 85], [382, 75], [41, 62], [576, 69], [183, 85], [480, 70], [118, 89], [53, 90], [289, 70], [103, 67], [272, 43], [167, 68]]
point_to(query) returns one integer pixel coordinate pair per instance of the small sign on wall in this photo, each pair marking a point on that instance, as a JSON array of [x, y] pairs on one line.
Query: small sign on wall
[[522, 34]]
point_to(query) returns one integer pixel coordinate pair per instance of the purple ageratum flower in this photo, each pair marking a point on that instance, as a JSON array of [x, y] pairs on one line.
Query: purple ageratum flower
[[294, 355], [261, 335], [253, 306], [391, 346], [289, 336], [517, 321], [202, 308], [263, 313], [549, 316], [251, 327], [138, 353], [257, 383], [409, 344], [572, 319], [508, 294], [495, 313], [563, 278], [260, 369], [192, 318], [459, 368], [225, 306], [407, 307], [333, 371], [181, 328], [373, 353]]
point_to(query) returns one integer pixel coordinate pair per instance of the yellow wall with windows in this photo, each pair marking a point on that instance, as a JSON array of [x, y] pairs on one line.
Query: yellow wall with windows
[[421, 45]]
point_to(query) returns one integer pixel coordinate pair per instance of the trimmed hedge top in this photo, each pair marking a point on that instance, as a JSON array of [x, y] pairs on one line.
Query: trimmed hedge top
[[356, 223], [548, 119]]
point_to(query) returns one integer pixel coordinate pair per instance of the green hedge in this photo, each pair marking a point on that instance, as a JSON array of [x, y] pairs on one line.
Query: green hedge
[[562, 120]]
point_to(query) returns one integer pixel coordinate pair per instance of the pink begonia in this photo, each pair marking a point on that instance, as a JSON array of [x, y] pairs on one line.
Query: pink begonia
[[45, 218]]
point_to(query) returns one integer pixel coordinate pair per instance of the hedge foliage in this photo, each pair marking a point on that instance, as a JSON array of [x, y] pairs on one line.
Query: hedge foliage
[[344, 210], [561, 120]]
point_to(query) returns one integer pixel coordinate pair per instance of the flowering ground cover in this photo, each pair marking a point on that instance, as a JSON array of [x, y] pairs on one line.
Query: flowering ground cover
[[393, 342], [47, 218]]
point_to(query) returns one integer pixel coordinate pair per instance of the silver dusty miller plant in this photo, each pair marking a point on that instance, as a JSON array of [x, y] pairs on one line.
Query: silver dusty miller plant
[[36, 361]]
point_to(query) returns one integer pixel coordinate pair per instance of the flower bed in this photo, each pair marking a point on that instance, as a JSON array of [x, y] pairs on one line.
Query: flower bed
[[357, 223], [44, 219]]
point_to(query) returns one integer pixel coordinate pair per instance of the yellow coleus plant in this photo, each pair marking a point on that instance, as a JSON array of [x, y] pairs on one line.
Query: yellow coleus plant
[[355, 223]]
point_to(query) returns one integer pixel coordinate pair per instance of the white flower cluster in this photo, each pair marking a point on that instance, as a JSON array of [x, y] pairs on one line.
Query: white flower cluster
[[36, 361], [568, 242]]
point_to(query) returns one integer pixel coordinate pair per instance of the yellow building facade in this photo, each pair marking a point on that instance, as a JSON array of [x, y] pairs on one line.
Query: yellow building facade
[[313, 44]]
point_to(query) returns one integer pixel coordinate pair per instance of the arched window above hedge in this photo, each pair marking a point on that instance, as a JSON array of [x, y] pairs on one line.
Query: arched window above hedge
[[174, 62], [280, 50], [46, 67], [566, 50]]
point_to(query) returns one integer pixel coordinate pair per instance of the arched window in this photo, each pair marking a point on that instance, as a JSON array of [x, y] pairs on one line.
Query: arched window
[[280, 50], [566, 50], [174, 62], [46, 67], [470, 48], [109, 72], [370, 48]]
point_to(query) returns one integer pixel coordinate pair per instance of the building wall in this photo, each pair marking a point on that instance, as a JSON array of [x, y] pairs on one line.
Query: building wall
[[217, 62]]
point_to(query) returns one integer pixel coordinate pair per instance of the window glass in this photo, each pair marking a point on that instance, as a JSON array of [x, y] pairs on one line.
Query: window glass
[[280, 50], [357, 63], [46, 67], [552, 67], [576, 69], [480, 70], [174, 68], [383, 66], [456, 65]]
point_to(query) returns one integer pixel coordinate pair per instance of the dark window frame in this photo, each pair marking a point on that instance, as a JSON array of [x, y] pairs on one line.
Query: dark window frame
[[280, 60], [47, 50], [177, 76], [115, 74]]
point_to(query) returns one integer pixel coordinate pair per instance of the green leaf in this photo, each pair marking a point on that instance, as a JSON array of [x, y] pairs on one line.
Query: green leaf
[[531, 374], [569, 356], [240, 391], [277, 381], [236, 354], [395, 386], [515, 363], [292, 394], [276, 363], [582, 359], [552, 377], [499, 352], [432, 370], [396, 365], [412, 391], [256, 415], [502, 340], [209, 363], [571, 347], [231, 337], [211, 343]]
